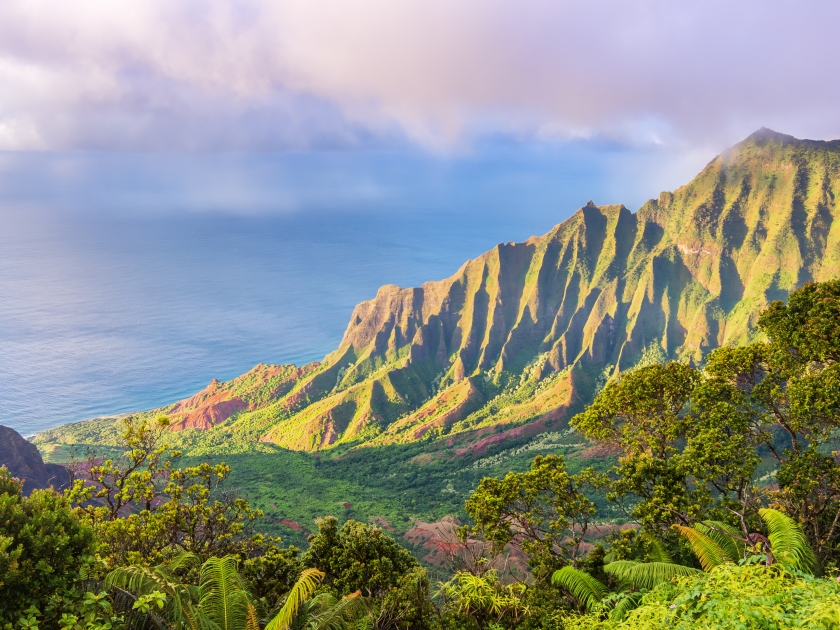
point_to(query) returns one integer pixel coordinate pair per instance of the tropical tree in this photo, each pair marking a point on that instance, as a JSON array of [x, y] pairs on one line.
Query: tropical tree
[[357, 557], [545, 511], [691, 440], [139, 504]]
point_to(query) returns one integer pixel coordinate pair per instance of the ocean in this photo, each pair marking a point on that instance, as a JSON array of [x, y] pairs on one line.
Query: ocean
[[128, 282]]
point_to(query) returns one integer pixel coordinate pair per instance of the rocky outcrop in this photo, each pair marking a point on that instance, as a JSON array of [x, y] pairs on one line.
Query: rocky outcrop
[[219, 401], [22, 459]]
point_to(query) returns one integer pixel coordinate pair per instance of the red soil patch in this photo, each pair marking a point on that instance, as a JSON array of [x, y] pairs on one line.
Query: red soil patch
[[209, 414], [440, 541], [347, 505], [600, 451], [205, 409], [547, 422], [384, 524], [291, 525]]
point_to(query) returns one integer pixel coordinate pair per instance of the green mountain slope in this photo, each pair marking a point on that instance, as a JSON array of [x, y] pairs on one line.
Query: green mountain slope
[[518, 338]]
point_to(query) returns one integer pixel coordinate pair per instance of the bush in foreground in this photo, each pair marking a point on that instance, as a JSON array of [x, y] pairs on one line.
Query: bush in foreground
[[732, 596]]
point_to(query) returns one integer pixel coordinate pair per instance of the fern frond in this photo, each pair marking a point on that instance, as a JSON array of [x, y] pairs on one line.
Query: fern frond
[[657, 552], [251, 620], [224, 597], [708, 552], [342, 615], [788, 542], [646, 575], [726, 541], [181, 599], [583, 587], [183, 560], [312, 608], [630, 602], [303, 589]]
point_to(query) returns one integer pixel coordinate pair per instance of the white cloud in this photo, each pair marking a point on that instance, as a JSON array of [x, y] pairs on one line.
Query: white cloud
[[261, 74]]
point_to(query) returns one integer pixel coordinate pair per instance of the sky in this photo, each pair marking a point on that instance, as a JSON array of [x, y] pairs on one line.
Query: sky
[[439, 76]]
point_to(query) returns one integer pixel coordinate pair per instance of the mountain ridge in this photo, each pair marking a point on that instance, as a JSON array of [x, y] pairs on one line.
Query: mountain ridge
[[527, 332]]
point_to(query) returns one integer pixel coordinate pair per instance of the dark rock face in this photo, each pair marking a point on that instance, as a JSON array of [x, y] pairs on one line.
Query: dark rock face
[[23, 460]]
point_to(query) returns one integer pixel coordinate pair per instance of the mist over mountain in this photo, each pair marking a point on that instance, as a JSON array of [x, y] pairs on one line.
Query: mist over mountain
[[520, 337]]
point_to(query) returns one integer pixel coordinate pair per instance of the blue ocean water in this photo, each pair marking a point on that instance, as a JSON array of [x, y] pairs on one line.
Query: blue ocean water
[[128, 282]]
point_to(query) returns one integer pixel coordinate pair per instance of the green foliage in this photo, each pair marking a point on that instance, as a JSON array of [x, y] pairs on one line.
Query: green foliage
[[544, 510], [708, 551], [300, 593], [44, 552], [582, 586], [181, 600], [140, 506], [357, 557], [483, 599], [788, 542], [408, 605], [224, 598], [273, 572], [108, 489], [731, 597], [647, 575]]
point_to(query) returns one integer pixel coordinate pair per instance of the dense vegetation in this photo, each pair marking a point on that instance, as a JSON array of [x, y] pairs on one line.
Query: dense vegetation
[[725, 475]]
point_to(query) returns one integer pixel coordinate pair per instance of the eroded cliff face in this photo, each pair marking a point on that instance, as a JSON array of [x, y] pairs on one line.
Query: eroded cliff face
[[524, 334], [688, 272]]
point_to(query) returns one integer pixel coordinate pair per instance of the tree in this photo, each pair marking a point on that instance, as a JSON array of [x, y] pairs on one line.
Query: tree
[[408, 605], [141, 506], [544, 511], [273, 572], [44, 552], [685, 449], [110, 488], [357, 557]]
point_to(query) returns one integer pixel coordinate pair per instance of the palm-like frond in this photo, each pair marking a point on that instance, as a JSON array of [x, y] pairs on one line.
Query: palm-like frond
[[341, 615], [646, 575], [708, 552], [725, 536], [583, 587], [183, 560], [181, 599], [225, 600], [788, 542], [303, 589], [312, 608], [252, 622], [629, 602], [657, 551]]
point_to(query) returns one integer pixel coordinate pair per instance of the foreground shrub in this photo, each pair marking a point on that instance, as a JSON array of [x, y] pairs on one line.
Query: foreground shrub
[[732, 596], [44, 550]]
